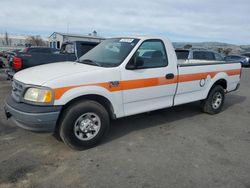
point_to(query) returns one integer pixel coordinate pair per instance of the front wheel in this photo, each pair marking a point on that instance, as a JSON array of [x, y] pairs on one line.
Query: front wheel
[[215, 100], [84, 125]]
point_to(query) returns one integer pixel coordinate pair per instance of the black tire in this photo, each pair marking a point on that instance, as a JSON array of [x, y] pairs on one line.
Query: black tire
[[71, 115], [209, 105]]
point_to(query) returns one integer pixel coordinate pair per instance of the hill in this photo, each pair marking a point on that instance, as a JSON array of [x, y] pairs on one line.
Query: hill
[[216, 46]]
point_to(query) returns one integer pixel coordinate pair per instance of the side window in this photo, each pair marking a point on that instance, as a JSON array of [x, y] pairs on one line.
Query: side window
[[181, 54], [84, 48], [198, 55], [218, 57], [153, 54], [210, 56], [235, 57], [202, 55], [228, 58]]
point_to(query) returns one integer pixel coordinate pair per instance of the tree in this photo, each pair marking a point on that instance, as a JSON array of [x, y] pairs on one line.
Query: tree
[[188, 46], [220, 50], [227, 51], [35, 41], [94, 33]]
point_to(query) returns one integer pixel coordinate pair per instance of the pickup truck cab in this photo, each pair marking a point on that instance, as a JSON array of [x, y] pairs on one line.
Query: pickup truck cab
[[119, 77]]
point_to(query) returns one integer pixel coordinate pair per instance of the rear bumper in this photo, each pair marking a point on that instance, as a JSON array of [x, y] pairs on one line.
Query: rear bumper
[[31, 117], [237, 87]]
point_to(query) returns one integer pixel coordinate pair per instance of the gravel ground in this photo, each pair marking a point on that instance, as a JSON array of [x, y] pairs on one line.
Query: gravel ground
[[176, 147]]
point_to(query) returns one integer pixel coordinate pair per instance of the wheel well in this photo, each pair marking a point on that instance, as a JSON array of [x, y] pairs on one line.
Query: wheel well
[[98, 98], [221, 82]]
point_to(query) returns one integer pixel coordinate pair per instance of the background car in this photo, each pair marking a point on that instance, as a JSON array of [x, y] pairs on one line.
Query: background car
[[244, 60], [37, 49], [11, 54], [34, 56], [246, 54], [198, 55], [3, 53], [1, 63]]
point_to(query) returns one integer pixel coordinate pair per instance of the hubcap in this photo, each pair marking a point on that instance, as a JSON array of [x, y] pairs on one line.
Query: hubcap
[[217, 100], [87, 126]]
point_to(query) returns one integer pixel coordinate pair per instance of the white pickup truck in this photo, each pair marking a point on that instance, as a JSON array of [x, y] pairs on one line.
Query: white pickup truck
[[119, 77]]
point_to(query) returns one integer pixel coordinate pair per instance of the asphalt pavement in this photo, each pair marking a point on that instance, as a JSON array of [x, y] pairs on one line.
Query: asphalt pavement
[[175, 147]]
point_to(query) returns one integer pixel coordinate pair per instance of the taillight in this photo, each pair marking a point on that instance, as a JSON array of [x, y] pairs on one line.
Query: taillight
[[17, 63]]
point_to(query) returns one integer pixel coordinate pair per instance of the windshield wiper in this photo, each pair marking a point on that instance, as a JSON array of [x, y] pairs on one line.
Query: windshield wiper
[[90, 62], [110, 65]]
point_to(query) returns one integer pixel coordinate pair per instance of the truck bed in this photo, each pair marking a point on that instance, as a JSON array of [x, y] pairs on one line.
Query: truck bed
[[196, 79]]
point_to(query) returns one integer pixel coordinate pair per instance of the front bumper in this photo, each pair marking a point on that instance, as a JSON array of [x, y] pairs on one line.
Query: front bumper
[[31, 117]]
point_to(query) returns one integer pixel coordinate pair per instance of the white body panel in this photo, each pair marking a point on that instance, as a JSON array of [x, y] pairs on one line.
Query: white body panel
[[41, 74], [195, 90], [74, 80]]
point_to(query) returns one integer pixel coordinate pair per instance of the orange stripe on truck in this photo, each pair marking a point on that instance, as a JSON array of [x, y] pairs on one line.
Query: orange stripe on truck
[[233, 72], [123, 85], [147, 82]]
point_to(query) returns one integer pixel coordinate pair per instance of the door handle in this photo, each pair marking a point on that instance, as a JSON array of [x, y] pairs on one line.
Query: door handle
[[170, 76]]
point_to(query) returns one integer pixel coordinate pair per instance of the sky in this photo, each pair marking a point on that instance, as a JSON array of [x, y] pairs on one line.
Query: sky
[[179, 20]]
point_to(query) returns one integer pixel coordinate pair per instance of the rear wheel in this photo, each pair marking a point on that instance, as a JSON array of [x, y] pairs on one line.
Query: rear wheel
[[84, 125], [215, 100]]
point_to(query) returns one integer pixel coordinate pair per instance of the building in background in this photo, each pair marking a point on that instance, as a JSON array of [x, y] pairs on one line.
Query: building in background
[[57, 38]]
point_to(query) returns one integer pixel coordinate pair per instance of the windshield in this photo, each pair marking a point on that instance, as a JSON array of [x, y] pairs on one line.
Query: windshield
[[109, 53]]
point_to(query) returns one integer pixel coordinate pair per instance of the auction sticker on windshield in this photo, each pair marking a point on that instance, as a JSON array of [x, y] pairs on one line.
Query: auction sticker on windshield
[[126, 40]]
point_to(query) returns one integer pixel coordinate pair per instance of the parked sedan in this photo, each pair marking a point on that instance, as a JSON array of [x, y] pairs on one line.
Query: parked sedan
[[244, 60]]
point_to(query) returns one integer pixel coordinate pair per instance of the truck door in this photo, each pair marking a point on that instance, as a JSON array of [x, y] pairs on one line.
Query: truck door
[[152, 84]]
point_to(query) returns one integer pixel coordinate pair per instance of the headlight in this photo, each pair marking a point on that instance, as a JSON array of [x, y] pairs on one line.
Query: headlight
[[39, 95]]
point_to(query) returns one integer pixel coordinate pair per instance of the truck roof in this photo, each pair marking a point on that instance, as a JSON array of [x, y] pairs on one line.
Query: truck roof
[[143, 37]]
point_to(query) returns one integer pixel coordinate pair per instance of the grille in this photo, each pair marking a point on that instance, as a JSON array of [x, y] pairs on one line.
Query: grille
[[17, 90]]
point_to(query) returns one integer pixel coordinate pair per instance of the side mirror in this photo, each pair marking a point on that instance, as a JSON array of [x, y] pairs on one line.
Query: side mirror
[[135, 63], [138, 62]]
